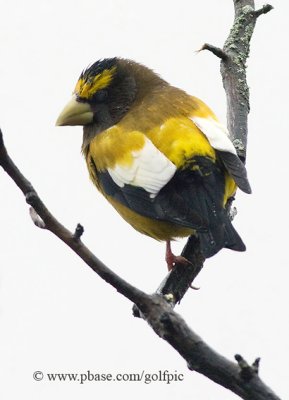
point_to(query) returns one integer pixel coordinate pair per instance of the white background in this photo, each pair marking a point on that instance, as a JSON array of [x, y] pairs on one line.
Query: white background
[[56, 315]]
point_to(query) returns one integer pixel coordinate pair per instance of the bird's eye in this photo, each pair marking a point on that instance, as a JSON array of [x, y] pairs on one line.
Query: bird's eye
[[100, 96]]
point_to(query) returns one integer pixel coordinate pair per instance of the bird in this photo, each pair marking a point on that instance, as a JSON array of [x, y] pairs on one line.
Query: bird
[[159, 156]]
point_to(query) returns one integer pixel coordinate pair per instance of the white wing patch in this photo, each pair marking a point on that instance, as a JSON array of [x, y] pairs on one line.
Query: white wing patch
[[150, 170], [216, 133]]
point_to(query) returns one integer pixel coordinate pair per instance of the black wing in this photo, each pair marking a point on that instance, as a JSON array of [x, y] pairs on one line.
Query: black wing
[[236, 169], [193, 198]]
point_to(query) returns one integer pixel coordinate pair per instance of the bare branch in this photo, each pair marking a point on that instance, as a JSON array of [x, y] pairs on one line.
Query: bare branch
[[155, 309], [215, 50], [201, 358], [263, 10], [240, 378], [233, 71]]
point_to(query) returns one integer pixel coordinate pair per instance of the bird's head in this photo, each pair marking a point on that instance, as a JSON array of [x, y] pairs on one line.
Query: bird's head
[[103, 94]]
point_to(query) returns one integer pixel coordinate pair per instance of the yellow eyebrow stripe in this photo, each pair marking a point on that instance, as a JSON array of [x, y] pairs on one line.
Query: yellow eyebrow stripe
[[87, 87]]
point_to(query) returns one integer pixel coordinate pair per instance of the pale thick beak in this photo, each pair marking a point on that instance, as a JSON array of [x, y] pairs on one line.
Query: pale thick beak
[[75, 113]]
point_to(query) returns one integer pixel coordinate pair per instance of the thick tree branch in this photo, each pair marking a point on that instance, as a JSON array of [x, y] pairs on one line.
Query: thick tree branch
[[239, 377], [154, 308], [233, 70]]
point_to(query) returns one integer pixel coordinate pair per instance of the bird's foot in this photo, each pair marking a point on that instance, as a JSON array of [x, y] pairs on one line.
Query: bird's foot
[[171, 259]]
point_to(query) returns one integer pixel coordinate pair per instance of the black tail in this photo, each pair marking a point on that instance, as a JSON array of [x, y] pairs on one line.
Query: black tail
[[219, 237]]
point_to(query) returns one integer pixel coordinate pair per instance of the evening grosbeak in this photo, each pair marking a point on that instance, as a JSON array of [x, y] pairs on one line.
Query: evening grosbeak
[[157, 154]]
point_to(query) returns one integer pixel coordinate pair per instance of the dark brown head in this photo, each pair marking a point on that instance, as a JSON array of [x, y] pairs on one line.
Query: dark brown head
[[105, 91]]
